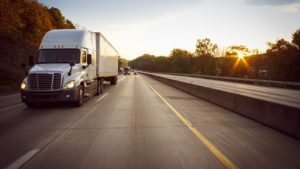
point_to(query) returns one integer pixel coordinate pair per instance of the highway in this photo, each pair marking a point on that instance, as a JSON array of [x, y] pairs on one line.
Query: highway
[[273, 94], [141, 123]]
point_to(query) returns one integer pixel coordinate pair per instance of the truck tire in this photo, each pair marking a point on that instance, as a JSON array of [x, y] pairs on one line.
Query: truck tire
[[30, 104], [80, 97], [114, 80], [99, 86]]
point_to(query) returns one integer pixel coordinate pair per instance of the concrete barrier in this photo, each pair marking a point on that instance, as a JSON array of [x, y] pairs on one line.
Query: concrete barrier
[[272, 83], [281, 117]]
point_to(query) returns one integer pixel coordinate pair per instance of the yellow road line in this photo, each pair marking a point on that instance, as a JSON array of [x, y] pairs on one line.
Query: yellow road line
[[210, 146]]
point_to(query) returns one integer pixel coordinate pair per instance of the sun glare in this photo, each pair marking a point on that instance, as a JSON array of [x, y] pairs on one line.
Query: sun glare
[[240, 59], [240, 55]]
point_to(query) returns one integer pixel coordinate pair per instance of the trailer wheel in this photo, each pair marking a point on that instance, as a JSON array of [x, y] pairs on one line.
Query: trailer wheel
[[99, 86], [79, 101], [114, 80]]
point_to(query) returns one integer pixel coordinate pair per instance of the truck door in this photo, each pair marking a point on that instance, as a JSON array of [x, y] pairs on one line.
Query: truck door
[[90, 69]]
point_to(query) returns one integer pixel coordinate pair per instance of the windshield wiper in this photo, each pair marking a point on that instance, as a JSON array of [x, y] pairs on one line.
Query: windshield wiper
[[71, 65]]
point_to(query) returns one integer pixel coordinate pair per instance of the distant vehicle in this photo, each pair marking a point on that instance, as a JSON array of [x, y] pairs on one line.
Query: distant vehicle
[[127, 71], [71, 65]]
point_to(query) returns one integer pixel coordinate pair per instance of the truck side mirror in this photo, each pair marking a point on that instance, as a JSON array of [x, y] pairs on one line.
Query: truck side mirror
[[89, 59], [30, 60]]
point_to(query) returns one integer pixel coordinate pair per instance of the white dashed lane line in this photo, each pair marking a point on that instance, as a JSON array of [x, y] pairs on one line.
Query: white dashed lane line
[[11, 107], [102, 97], [23, 159]]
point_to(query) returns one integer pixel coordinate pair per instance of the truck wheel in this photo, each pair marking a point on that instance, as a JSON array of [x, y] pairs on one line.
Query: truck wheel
[[99, 86], [79, 101], [114, 80], [30, 104]]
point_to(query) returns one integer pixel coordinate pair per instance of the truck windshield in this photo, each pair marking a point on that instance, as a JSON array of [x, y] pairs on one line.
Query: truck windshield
[[59, 56]]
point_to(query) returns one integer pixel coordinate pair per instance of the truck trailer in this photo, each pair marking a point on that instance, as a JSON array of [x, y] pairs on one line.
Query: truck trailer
[[71, 65]]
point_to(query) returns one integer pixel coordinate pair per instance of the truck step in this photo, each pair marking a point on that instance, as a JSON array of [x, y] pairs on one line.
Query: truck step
[[87, 94]]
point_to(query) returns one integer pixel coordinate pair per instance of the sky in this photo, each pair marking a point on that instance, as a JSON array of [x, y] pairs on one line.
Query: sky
[[136, 27]]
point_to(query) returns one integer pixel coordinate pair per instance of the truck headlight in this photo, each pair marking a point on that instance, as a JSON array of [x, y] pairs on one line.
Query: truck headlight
[[23, 85], [70, 84]]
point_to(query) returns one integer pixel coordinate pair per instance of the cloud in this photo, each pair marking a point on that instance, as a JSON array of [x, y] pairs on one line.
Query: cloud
[[292, 7], [270, 2]]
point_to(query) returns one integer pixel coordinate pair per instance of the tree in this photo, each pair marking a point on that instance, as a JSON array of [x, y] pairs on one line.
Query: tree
[[144, 62], [296, 38], [180, 60], [283, 60], [210, 68], [23, 23], [58, 20], [162, 64], [204, 63], [237, 50], [11, 24], [205, 47]]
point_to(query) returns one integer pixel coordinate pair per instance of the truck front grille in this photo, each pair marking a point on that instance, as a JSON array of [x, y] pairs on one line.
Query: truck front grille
[[44, 81], [45, 95]]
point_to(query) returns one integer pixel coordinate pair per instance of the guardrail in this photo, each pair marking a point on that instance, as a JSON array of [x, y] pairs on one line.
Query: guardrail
[[278, 116], [272, 83]]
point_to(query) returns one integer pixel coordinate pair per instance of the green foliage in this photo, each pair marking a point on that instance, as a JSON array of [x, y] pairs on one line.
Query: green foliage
[[23, 24], [180, 60], [144, 62]]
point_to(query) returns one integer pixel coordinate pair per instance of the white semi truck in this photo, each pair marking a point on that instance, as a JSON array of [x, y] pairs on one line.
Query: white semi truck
[[70, 66]]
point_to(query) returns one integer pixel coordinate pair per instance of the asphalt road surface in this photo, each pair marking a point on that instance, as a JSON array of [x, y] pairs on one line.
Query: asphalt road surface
[[139, 123]]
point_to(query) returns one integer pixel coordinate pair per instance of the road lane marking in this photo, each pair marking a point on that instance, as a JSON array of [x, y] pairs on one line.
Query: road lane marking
[[10, 107], [102, 97], [23, 159], [209, 145], [29, 155]]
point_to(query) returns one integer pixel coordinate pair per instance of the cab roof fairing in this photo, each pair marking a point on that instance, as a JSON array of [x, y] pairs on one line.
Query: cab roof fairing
[[67, 38]]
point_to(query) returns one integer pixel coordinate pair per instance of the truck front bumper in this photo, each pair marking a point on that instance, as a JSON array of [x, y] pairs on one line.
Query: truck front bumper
[[69, 95]]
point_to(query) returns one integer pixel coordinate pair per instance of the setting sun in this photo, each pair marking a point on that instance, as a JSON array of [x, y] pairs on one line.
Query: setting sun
[[240, 56]]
